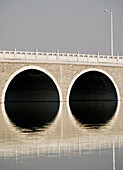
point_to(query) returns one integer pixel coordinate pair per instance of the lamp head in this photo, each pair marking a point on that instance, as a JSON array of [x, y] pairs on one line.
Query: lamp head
[[105, 10]]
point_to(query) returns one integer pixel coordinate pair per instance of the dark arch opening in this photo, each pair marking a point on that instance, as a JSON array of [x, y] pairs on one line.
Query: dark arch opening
[[93, 85], [31, 85], [93, 99], [32, 100]]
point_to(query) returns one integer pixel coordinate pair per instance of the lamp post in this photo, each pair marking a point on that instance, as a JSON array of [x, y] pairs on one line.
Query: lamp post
[[111, 14]]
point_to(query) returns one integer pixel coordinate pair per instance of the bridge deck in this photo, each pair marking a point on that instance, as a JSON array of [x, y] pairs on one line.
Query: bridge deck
[[25, 56]]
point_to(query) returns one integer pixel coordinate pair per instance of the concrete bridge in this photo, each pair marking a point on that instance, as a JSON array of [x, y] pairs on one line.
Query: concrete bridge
[[65, 76], [60, 77]]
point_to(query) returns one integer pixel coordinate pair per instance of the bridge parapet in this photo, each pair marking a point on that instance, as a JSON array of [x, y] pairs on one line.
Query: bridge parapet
[[59, 57]]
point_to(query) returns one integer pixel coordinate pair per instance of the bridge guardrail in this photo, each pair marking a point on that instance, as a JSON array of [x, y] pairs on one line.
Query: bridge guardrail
[[59, 57]]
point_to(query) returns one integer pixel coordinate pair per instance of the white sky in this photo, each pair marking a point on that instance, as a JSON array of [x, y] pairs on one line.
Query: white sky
[[65, 25]]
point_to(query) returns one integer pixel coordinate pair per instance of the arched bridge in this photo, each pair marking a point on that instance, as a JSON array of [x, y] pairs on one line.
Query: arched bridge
[[59, 76], [54, 77]]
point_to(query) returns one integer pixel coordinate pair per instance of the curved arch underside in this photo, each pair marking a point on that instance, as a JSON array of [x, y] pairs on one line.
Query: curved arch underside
[[31, 85], [93, 85]]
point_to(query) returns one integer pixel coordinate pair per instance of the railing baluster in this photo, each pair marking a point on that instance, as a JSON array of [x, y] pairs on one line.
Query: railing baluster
[[74, 57]]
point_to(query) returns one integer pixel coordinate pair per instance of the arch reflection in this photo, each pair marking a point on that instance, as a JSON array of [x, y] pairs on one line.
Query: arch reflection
[[93, 114], [32, 116]]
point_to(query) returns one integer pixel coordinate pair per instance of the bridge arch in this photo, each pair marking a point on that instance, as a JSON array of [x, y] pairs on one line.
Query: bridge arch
[[93, 113], [95, 70], [29, 68], [55, 116]]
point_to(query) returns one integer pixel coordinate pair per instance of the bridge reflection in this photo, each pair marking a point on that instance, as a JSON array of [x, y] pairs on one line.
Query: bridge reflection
[[31, 116], [63, 136], [93, 114]]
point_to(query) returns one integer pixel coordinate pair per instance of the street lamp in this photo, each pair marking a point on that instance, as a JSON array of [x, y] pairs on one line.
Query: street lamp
[[111, 14]]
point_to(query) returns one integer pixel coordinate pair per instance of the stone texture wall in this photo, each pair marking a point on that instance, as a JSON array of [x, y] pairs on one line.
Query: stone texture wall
[[63, 73]]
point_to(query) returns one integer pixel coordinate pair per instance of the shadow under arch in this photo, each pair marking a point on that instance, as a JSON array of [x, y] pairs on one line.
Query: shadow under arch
[[42, 108], [92, 112]]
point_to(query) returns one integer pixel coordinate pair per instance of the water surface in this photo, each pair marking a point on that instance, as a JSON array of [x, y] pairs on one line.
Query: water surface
[[54, 136]]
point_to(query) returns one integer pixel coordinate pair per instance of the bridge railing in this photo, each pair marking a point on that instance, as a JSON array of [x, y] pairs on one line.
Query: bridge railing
[[59, 57]]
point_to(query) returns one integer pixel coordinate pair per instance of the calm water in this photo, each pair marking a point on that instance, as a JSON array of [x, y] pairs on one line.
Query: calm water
[[56, 136]]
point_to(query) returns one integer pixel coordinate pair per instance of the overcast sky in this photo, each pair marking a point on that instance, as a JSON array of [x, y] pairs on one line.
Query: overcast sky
[[65, 25]]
